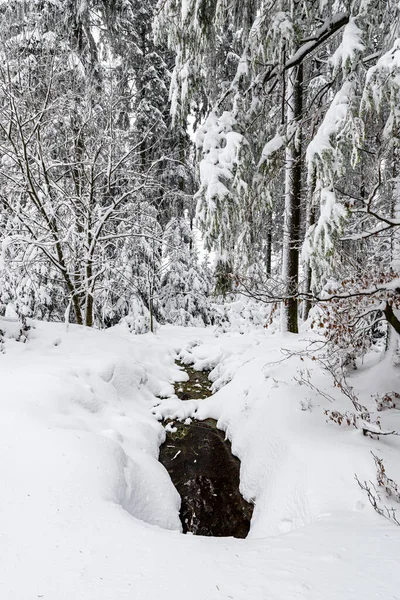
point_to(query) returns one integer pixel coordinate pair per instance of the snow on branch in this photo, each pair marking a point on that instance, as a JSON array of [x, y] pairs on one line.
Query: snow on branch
[[349, 49], [326, 158], [382, 88], [220, 147], [274, 70], [325, 141], [272, 146], [319, 243], [323, 33]]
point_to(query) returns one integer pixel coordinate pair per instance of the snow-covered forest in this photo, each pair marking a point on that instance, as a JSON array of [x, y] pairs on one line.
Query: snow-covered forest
[[199, 186]]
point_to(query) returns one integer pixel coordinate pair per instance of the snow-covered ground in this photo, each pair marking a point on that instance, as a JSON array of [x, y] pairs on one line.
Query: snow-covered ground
[[88, 513]]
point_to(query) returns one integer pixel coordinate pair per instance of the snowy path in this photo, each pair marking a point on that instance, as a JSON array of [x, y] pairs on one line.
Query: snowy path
[[88, 513]]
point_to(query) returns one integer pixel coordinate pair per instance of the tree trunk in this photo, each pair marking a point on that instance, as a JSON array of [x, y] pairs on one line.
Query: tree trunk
[[291, 231], [395, 240], [268, 255], [77, 309], [393, 321], [151, 295], [151, 317], [307, 304], [391, 318], [151, 313], [310, 220], [89, 310]]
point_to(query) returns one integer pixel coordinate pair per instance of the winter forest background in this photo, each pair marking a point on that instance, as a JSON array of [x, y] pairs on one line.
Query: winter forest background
[[223, 178], [133, 131]]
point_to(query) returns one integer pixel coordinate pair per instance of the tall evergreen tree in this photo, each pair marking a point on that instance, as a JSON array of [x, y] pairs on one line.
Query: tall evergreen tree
[[185, 285], [295, 102]]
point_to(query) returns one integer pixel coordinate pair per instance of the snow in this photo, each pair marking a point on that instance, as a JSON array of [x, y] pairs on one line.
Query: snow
[[270, 148], [325, 161], [220, 147], [334, 121], [331, 23], [88, 513], [217, 167], [331, 216], [349, 48], [382, 87], [5, 243], [388, 63]]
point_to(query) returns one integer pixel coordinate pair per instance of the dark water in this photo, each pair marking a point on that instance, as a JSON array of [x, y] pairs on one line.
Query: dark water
[[197, 387], [204, 471]]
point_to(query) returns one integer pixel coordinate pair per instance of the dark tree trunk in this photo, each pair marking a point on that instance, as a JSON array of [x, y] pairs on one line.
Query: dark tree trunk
[[310, 220], [268, 255], [391, 318], [291, 241]]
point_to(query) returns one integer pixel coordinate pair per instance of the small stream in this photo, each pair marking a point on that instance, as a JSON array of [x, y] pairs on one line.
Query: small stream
[[204, 470]]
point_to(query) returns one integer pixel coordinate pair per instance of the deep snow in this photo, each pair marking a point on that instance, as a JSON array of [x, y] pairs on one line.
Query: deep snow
[[88, 513]]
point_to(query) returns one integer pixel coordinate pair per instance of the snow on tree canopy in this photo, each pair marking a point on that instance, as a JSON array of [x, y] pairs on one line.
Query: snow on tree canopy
[[350, 48], [382, 87], [220, 147], [185, 284], [270, 148], [326, 158], [319, 243], [324, 152]]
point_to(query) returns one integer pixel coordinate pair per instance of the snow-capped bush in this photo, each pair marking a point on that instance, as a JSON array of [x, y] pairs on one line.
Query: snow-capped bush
[[138, 320], [240, 316]]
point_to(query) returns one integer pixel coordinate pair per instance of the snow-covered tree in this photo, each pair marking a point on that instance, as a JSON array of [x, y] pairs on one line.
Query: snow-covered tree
[[353, 161], [74, 187], [186, 284], [257, 112]]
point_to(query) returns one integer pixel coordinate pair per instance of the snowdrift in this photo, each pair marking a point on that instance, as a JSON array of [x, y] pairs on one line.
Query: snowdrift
[[88, 513]]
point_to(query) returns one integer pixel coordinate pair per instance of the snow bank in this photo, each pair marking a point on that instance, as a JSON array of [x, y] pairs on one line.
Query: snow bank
[[76, 423], [88, 513], [297, 468]]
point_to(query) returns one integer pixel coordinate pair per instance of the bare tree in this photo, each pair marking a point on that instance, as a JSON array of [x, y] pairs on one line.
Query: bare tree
[[69, 179]]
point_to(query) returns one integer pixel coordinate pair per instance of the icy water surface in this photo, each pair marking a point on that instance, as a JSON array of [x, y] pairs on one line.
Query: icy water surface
[[204, 470]]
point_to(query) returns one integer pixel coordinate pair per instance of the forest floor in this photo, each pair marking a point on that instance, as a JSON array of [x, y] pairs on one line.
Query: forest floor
[[88, 513]]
